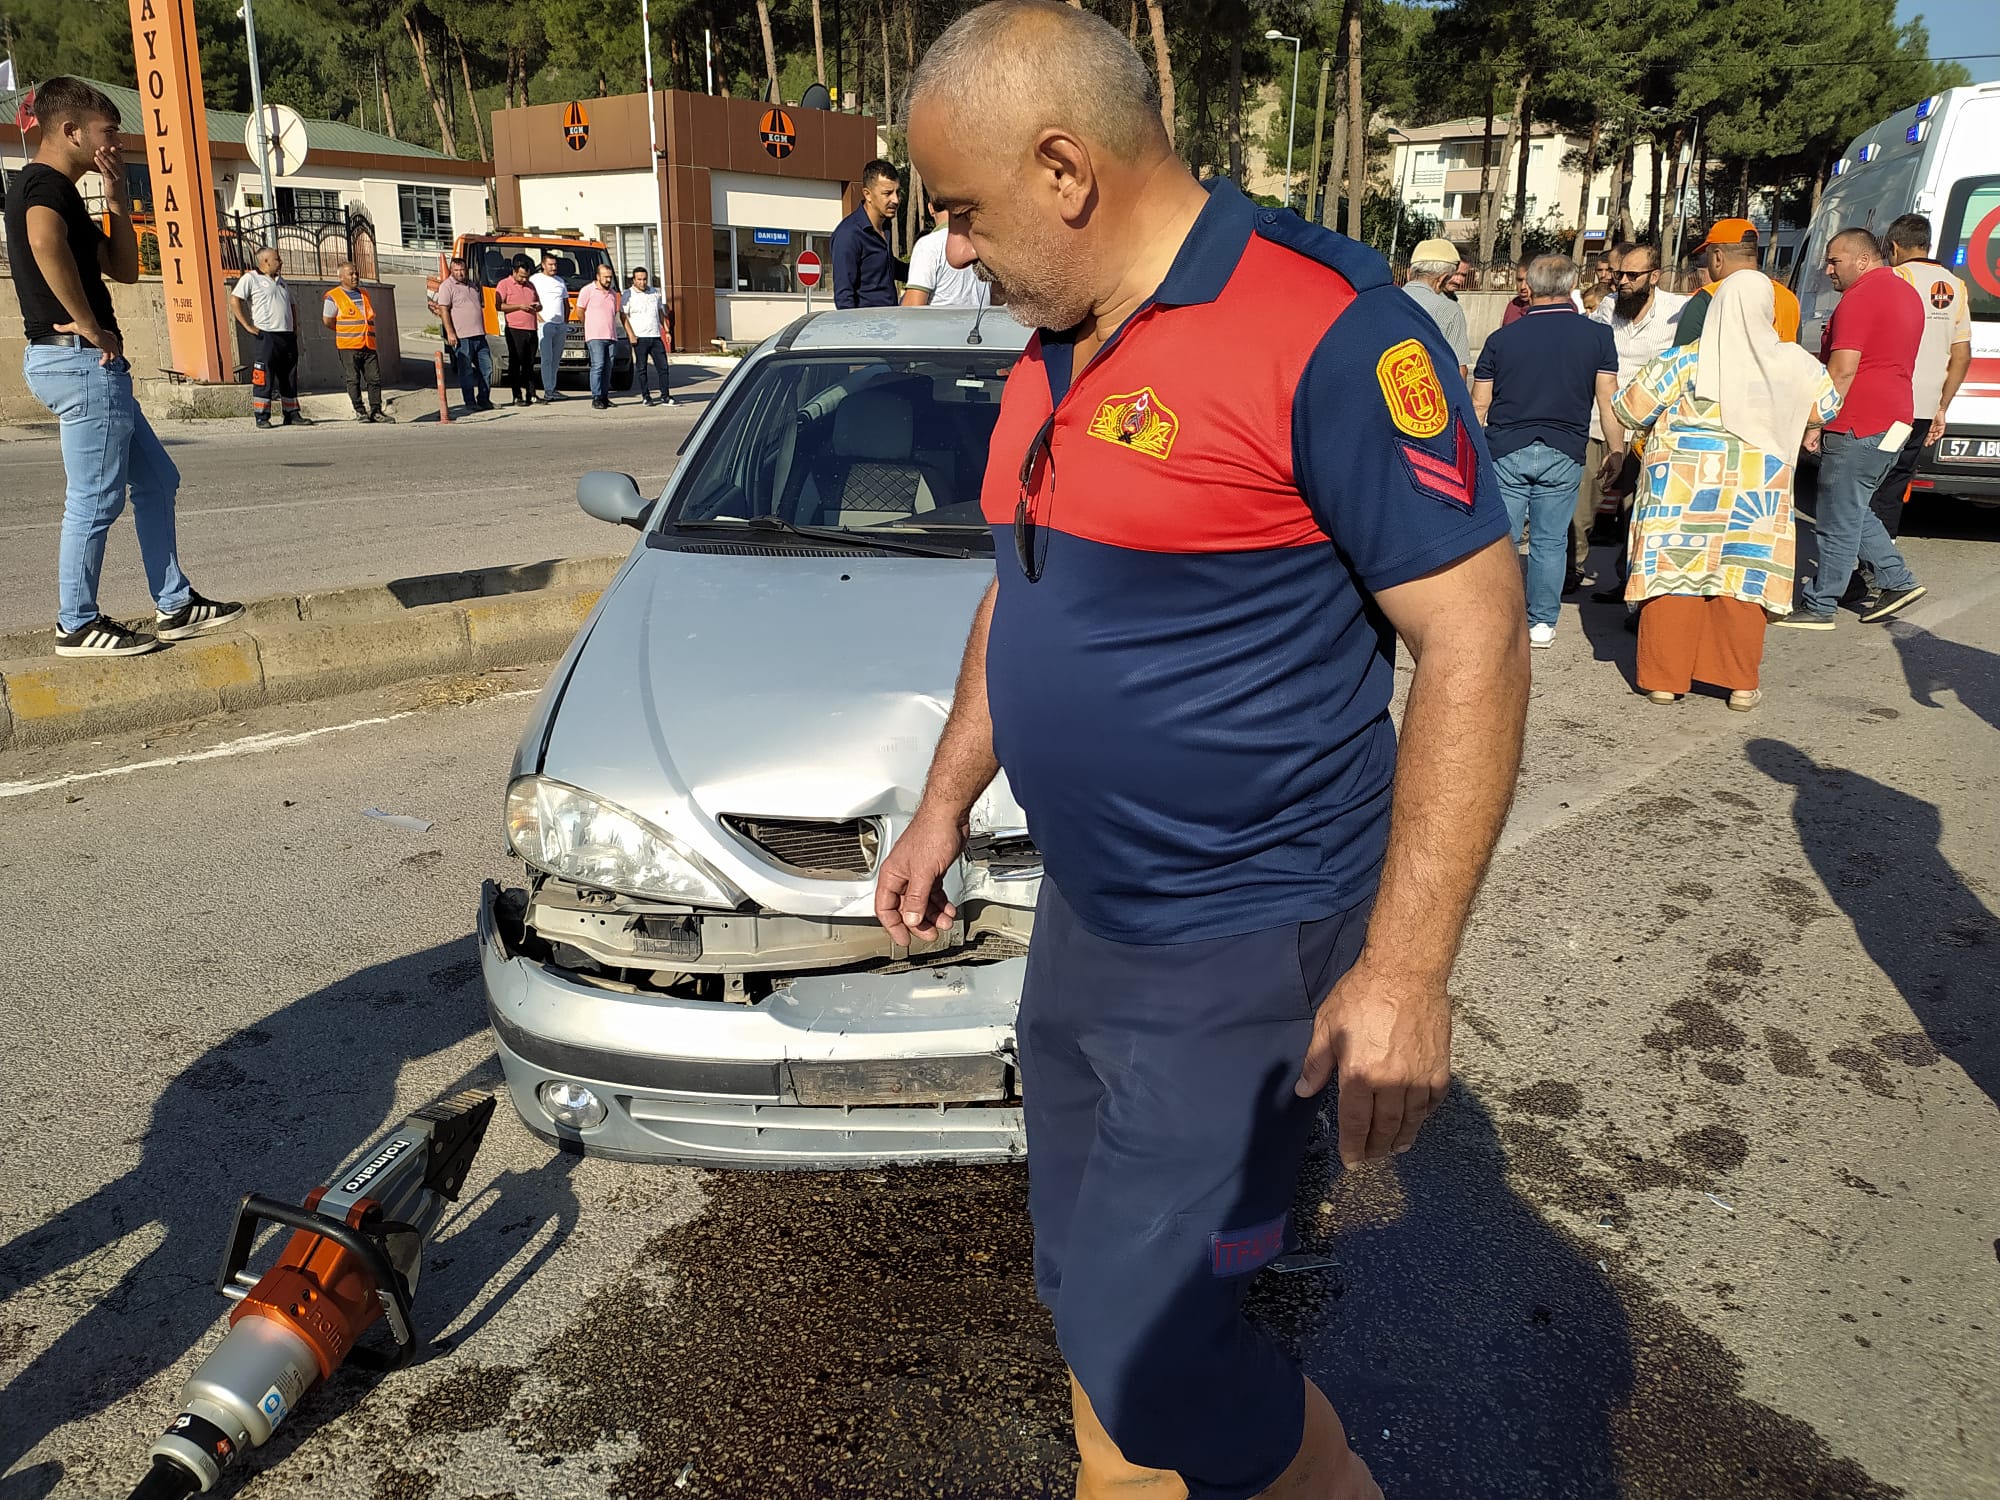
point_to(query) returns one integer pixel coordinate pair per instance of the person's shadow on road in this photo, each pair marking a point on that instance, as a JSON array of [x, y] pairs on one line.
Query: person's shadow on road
[[1932, 664], [1604, 627], [274, 1108], [1876, 851]]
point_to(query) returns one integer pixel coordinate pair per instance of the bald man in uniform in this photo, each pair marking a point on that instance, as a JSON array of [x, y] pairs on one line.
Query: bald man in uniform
[[1233, 467]]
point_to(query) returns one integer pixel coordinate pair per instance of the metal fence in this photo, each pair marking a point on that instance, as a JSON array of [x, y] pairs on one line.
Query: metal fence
[[312, 241]]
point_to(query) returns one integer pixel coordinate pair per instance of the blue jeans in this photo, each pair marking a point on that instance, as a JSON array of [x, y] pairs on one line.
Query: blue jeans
[[1850, 469], [647, 353], [600, 368], [107, 447], [475, 369], [554, 336], [1539, 485]]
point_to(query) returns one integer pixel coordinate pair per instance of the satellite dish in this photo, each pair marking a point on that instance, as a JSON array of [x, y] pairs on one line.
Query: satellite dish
[[816, 97], [284, 136]]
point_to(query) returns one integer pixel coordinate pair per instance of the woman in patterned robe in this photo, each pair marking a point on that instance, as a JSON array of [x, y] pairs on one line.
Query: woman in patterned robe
[[1712, 536]]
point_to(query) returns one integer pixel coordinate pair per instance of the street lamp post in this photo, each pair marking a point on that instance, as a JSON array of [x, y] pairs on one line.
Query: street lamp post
[[1292, 124], [257, 104], [654, 153], [1402, 191]]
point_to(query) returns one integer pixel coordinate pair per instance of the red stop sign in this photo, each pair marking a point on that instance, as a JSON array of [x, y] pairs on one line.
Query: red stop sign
[[808, 268]]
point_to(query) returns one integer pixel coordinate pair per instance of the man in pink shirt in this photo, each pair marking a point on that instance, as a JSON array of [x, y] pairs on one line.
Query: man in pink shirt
[[599, 305]]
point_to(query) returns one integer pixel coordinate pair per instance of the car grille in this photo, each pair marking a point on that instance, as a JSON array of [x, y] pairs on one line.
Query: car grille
[[825, 850]]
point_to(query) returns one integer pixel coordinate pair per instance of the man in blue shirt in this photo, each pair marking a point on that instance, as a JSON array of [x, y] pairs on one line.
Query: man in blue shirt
[[1532, 388], [865, 269], [1233, 466]]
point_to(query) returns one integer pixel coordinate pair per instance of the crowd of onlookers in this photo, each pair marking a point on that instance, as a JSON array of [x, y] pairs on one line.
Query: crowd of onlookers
[[1674, 424]]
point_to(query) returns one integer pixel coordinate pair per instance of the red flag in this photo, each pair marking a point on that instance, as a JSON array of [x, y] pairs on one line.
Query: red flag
[[24, 112]]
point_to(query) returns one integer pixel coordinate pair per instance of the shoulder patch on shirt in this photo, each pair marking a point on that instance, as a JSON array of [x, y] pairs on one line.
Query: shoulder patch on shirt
[[1138, 420], [1410, 386], [1454, 480]]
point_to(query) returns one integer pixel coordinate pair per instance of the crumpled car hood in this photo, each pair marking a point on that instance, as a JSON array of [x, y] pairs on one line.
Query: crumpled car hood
[[786, 686]]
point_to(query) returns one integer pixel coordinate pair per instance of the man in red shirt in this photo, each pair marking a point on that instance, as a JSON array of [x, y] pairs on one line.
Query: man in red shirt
[[1870, 349]]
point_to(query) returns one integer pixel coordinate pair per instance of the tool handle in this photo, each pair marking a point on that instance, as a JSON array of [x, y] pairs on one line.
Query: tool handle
[[166, 1480], [390, 1285]]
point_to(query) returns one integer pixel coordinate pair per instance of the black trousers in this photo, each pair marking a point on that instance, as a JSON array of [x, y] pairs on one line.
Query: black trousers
[[524, 356], [362, 369], [1887, 501], [274, 370]]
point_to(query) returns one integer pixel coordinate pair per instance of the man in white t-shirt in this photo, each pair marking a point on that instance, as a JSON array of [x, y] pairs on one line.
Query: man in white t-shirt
[[650, 327], [1641, 315], [554, 292], [935, 281], [1943, 355], [262, 303]]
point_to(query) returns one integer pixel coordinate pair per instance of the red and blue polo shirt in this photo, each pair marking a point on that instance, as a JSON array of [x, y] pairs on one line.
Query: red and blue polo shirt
[[1192, 701]]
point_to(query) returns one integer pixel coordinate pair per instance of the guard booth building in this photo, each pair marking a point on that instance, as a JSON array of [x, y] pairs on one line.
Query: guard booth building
[[743, 188]]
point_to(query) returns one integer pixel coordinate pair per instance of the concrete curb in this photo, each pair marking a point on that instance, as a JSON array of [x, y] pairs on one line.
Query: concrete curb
[[304, 646]]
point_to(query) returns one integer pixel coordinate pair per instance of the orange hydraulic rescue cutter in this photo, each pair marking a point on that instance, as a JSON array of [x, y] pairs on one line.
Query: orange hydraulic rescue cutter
[[353, 1258]]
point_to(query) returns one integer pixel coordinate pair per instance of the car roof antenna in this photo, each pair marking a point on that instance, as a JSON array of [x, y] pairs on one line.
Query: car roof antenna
[[973, 337]]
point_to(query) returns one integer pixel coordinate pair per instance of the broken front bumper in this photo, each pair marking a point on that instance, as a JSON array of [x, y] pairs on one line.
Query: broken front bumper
[[837, 1069]]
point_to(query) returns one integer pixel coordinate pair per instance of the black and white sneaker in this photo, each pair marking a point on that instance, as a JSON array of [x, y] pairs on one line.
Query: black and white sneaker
[[105, 637], [195, 616], [1892, 601]]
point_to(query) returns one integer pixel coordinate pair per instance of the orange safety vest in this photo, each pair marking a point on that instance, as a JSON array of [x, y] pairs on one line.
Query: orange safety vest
[[353, 322]]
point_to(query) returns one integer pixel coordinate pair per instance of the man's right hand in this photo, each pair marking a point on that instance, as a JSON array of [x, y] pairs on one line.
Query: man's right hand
[[109, 345], [909, 886]]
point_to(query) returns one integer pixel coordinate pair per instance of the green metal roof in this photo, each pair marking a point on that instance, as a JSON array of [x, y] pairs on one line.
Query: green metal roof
[[227, 125]]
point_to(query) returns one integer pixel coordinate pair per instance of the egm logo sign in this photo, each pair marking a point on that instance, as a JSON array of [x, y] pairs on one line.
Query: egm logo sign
[[576, 127], [777, 133]]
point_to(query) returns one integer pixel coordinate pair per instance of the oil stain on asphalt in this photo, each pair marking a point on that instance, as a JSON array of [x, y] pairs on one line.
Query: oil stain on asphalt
[[825, 1334], [877, 1334]]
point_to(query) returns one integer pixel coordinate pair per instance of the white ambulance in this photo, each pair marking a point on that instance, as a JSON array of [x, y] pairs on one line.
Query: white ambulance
[[1939, 158]]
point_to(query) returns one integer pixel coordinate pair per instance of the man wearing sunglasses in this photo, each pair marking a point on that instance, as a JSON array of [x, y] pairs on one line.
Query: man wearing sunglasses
[[1641, 317], [1232, 467]]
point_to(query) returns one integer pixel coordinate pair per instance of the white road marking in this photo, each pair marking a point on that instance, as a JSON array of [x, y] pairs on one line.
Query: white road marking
[[254, 744], [189, 512]]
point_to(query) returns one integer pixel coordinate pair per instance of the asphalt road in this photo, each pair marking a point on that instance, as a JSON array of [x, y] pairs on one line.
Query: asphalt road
[[1711, 1211], [337, 504]]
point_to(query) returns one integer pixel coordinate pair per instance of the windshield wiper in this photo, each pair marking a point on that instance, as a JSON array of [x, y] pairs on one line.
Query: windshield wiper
[[858, 539]]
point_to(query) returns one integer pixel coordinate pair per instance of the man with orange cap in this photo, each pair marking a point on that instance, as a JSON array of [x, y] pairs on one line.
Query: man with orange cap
[[1731, 246]]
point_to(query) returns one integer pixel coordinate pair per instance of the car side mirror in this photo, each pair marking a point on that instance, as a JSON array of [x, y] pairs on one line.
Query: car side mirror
[[612, 497]]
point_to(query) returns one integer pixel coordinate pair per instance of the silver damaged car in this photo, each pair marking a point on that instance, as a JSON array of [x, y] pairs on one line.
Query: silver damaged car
[[691, 970]]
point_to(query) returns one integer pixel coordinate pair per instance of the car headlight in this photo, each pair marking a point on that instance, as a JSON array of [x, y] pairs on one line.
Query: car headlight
[[572, 835]]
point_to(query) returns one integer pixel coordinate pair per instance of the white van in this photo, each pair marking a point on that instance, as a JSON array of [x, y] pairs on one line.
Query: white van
[[1941, 159]]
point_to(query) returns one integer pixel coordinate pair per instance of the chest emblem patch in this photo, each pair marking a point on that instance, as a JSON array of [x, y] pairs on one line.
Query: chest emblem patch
[[1138, 420], [1410, 386]]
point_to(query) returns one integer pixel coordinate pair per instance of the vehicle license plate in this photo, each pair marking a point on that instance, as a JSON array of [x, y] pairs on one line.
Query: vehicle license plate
[[1970, 450]]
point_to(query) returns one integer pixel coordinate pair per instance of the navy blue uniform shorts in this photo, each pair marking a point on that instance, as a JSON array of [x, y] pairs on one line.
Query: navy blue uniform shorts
[[1164, 1145]]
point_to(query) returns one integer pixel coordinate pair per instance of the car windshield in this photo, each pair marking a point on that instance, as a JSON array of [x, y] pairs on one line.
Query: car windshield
[[576, 264], [893, 445]]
